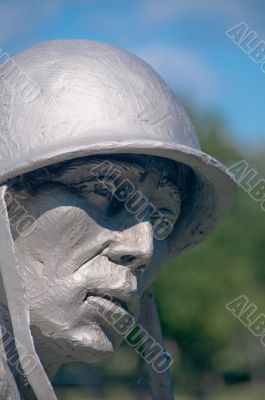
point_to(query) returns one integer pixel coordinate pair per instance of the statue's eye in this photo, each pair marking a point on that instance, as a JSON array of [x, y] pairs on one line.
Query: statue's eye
[[107, 190], [163, 222], [123, 193], [104, 189], [162, 228]]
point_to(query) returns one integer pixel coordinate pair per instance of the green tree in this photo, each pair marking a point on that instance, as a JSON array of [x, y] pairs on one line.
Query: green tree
[[194, 288]]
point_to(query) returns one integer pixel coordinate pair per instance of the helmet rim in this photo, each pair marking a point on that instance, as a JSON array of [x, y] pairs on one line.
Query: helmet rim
[[216, 193]]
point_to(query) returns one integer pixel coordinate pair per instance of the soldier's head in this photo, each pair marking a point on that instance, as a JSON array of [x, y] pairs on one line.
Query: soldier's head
[[107, 171]]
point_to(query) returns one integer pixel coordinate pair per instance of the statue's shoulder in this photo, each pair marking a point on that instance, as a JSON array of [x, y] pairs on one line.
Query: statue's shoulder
[[8, 387]]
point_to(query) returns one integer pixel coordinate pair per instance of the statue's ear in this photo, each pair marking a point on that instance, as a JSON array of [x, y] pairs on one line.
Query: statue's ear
[[19, 309], [160, 380]]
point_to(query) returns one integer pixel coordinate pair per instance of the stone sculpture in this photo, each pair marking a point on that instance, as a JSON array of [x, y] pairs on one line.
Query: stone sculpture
[[102, 180]]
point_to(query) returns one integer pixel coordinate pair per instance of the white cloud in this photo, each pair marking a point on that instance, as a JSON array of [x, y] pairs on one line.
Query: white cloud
[[183, 70]]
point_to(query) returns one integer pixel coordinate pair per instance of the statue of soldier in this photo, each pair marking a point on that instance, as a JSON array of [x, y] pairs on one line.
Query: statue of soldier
[[102, 181]]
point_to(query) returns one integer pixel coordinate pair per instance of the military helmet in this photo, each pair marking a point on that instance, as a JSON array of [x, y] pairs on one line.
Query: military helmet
[[81, 98]]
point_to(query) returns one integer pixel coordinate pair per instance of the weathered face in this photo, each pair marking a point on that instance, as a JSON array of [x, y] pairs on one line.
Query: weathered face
[[98, 232]]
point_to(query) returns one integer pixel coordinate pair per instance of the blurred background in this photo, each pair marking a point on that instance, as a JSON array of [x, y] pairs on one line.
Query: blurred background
[[216, 357]]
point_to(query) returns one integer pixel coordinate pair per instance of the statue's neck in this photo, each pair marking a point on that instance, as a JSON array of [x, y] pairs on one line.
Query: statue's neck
[[10, 369], [7, 342], [11, 374], [9, 362]]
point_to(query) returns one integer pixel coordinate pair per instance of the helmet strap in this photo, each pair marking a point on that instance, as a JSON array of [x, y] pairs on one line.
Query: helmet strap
[[161, 385], [19, 309]]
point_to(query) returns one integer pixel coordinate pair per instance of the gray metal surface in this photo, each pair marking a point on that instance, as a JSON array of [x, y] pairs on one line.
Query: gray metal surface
[[95, 99]]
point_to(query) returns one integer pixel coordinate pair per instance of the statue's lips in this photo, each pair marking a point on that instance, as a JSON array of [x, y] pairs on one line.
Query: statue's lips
[[112, 299]]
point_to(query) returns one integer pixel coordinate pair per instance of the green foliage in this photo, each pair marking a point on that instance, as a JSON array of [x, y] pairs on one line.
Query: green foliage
[[193, 289]]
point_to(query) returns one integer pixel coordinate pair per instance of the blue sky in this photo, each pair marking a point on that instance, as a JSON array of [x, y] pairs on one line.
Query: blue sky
[[184, 40]]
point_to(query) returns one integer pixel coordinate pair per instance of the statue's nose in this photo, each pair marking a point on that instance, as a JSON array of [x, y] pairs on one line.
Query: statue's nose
[[133, 247]]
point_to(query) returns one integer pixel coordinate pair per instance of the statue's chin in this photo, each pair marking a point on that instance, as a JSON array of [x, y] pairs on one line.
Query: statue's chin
[[91, 344], [86, 344]]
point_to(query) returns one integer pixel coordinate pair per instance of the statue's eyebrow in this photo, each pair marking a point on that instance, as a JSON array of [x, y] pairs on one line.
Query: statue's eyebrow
[[131, 168], [168, 185], [79, 171]]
